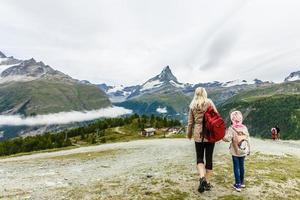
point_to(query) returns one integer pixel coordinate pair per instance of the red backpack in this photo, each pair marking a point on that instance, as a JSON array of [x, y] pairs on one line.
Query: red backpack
[[214, 125]]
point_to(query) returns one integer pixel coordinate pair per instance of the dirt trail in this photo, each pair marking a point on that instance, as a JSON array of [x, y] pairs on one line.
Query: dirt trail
[[45, 175]]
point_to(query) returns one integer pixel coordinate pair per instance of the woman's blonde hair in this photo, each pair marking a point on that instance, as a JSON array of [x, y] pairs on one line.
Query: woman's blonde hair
[[200, 98]]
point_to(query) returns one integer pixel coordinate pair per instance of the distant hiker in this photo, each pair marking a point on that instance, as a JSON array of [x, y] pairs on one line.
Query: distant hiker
[[239, 137], [198, 107], [278, 130], [274, 133]]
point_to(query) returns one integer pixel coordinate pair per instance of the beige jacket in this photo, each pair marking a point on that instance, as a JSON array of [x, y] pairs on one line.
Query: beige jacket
[[229, 137], [195, 121]]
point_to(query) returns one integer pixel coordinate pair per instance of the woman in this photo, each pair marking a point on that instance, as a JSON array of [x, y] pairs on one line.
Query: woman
[[197, 108]]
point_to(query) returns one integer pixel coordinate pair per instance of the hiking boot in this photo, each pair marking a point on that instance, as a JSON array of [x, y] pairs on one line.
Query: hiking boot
[[207, 186], [202, 183], [237, 187]]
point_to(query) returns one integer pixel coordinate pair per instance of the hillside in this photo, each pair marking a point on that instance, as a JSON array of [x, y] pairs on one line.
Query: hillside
[[266, 107], [175, 103], [97, 132], [162, 94], [29, 87], [44, 96]]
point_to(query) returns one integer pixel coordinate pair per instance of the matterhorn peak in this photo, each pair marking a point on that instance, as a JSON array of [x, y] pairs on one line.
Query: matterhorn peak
[[166, 75]]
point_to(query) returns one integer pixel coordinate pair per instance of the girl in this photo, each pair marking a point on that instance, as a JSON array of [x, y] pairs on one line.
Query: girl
[[197, 108], [239, 137]]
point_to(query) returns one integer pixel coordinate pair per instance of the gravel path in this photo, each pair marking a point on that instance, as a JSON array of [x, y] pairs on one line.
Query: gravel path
[[42, 175]]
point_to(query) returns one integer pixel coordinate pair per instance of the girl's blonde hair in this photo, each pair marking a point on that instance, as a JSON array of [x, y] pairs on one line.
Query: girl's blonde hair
[[200, 98]]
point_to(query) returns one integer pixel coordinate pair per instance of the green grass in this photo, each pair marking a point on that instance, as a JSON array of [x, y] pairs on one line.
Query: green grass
[[122, 134], [266, 112], [267, 177], [176, 100], [273, 177], [88, 155], [231, 197]]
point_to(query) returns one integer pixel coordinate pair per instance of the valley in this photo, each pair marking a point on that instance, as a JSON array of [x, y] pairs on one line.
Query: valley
[[265, 103]]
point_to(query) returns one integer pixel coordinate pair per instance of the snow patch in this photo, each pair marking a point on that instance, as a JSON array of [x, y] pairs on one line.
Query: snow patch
[[115, 89], [162, 110], [176, 84], [63, 117], [4, 67], [3, 59], [294, 78], [235, 82], [151, 84]]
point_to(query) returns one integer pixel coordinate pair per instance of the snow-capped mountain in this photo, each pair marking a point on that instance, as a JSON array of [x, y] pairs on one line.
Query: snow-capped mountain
[[28, 87], [166, 77], [117, 93], [63, 93], [294, 76], [242, 82], [163, 81], [29, 70], [166, 81], [6, 62]]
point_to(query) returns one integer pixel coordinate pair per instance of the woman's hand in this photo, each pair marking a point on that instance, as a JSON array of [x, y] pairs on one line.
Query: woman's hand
[[189, 136]]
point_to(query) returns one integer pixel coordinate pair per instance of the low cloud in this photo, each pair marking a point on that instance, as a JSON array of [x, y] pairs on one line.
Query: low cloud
[[62, 117], [162, 110]]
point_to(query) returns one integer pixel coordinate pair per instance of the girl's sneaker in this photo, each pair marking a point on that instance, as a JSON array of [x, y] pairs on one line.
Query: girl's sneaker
[[237, 187], [243, 185]]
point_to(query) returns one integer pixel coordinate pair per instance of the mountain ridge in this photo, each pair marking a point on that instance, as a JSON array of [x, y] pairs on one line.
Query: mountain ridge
[[166, 80], [294, 76], [37, 84]]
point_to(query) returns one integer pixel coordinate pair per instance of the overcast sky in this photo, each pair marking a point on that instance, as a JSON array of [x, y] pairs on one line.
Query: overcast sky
[[129, 41]]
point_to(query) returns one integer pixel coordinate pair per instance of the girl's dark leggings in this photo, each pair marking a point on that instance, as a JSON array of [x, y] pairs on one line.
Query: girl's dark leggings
[[206, 148]]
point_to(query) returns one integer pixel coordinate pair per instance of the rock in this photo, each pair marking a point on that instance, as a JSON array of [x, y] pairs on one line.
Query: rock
[[149, 176]]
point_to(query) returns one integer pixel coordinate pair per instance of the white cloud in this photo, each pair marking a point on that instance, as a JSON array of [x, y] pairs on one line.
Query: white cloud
[[127, 42], [63, 117], [162, 110]]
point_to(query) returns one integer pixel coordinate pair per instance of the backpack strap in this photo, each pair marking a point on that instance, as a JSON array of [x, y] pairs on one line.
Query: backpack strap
[[238, 132], [203, 128]]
